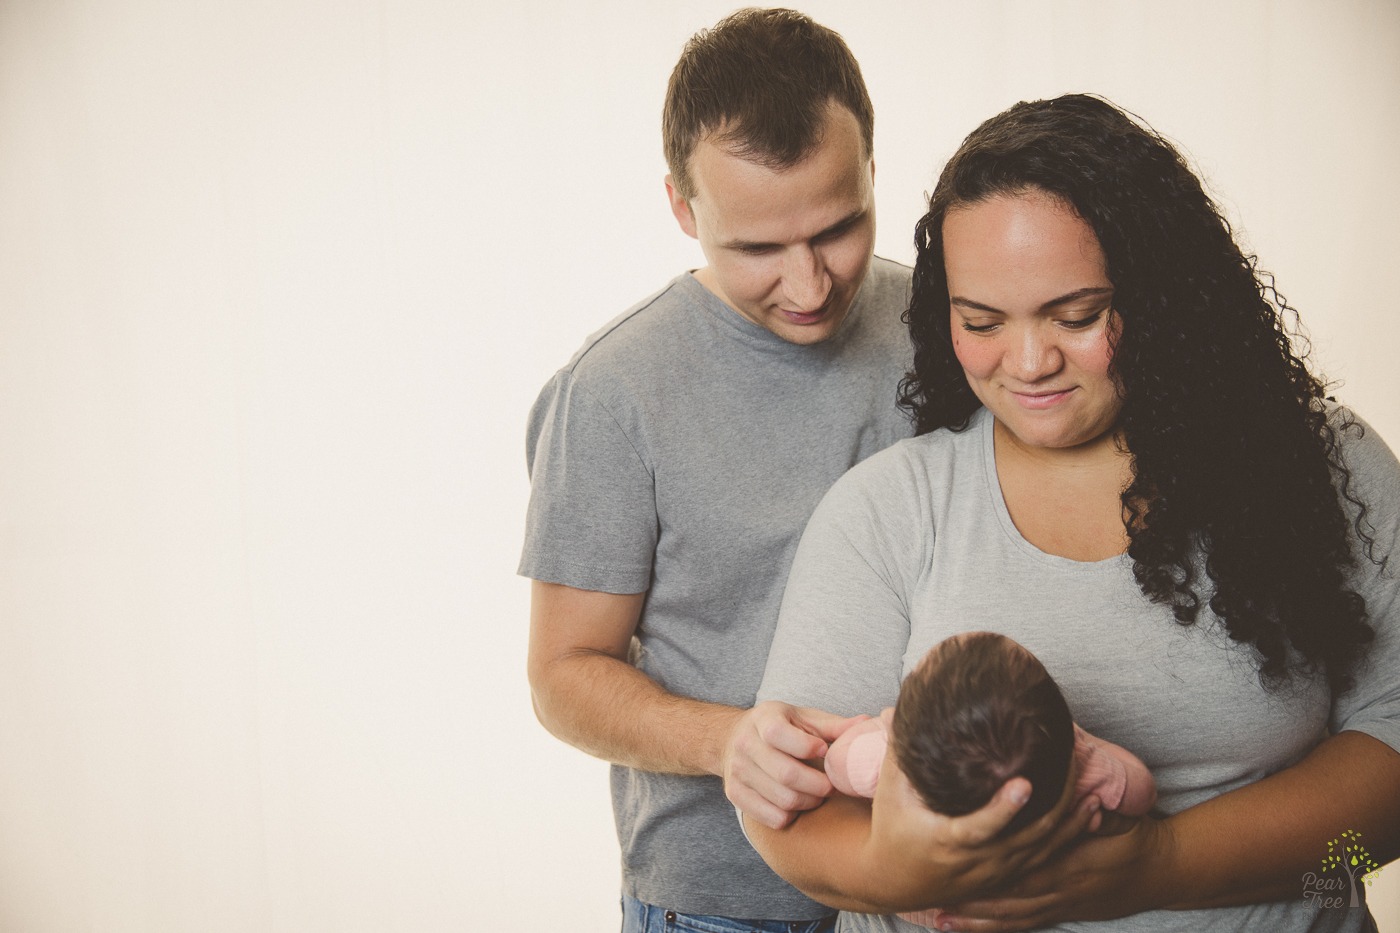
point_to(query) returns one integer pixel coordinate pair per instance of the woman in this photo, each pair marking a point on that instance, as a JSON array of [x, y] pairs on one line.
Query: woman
[[1122, 465]]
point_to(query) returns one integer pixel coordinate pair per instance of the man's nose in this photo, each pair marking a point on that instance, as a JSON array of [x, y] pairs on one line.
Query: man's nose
[[806, 283]]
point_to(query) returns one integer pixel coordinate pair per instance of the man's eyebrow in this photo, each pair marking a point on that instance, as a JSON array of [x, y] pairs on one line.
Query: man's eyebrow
[[1064, 299], [849, 220]]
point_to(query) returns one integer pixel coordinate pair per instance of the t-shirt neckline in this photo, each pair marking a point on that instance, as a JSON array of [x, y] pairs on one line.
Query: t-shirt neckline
[[753, 333], [985, 423]]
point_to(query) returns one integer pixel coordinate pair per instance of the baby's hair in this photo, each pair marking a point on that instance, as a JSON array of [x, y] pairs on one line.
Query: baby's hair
[[978, 710]]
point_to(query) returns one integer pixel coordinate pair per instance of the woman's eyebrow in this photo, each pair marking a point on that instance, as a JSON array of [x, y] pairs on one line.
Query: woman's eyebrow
[[1064, 299]]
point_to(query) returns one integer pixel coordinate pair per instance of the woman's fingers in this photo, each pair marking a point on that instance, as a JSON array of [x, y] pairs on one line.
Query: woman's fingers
[[981, 826]]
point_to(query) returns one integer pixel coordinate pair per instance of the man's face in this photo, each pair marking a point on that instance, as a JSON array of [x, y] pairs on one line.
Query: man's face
[[787, 248]]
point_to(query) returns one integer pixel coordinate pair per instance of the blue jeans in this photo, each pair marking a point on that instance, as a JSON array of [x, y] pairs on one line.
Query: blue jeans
[[645, 918]]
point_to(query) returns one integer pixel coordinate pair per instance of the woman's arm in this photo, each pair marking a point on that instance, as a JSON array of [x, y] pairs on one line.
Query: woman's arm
[[1256, 843], [893, 854], [1251, 845], [840, 645]]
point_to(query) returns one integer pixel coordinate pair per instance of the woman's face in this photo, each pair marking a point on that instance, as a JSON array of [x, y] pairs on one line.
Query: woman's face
[[1032, 317]]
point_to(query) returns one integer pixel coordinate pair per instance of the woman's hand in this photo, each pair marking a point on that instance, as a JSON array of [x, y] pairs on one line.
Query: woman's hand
[[925, 859], [1100, 878]]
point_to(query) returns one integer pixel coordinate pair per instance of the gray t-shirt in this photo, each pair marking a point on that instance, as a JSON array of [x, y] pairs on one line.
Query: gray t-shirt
[[681, 452], [916, 544]]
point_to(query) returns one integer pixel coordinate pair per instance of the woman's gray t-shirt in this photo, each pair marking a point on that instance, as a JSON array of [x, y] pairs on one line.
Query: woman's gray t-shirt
[[916, 544]]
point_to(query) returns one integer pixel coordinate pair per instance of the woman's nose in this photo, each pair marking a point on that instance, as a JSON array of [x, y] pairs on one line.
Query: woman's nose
[[1035, 355]]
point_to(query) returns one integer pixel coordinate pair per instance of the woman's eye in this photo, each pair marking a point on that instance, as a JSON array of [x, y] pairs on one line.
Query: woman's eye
[[1083, 322], [978, 328]]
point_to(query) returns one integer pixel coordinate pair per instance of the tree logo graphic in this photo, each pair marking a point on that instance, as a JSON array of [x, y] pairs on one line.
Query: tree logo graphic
[[1346, 857]]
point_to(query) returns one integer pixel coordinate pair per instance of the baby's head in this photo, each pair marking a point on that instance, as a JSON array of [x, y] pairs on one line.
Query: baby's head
[[978, 710]]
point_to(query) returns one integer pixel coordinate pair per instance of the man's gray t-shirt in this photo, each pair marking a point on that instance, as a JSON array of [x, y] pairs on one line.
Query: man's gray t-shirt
[[916, 544], [680, 453]]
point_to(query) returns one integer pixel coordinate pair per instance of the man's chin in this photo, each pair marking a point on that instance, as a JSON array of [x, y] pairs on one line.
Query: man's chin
[[805, 330]]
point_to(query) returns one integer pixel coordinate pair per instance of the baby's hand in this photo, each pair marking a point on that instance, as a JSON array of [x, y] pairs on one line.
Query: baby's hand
[[1113, 823], [853, 762]]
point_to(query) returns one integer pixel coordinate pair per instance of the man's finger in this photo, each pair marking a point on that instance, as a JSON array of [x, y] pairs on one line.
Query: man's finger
[[828, 726], [781, 772], [792, 739], [755, 808], [776, 779]]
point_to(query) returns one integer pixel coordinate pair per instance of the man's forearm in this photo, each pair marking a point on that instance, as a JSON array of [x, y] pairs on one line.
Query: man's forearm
[[586, 693], [606, 707]]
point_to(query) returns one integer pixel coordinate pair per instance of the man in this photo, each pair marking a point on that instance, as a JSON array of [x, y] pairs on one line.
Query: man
[[676, 458]]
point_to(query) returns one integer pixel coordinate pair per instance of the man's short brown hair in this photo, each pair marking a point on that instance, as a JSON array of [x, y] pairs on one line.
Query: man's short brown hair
[[762, 80]]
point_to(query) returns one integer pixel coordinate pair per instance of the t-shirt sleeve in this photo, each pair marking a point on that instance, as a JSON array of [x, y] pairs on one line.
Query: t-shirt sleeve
[[591, 522], [844, 624], [1373, 707]]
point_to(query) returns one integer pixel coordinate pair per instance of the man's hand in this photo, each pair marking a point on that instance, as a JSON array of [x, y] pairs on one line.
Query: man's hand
[[764, 769]]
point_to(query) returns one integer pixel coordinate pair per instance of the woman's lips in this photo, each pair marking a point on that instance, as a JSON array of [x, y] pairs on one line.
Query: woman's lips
[[1038, 401]]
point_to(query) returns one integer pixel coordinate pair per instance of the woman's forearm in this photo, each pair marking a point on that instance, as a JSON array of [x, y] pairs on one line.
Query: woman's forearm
[[1252, 845], [893, 854], [1258, 842], [821, 854]]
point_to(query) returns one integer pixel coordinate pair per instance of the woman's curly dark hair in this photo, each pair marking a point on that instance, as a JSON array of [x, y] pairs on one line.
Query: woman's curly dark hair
[[1232, 451]]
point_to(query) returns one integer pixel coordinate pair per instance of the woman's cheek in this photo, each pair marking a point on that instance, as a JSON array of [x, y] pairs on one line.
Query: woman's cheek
[[1094, 353], [977, 357]]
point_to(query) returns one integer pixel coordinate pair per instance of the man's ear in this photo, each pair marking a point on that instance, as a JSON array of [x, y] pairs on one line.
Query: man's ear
[[680, 208]]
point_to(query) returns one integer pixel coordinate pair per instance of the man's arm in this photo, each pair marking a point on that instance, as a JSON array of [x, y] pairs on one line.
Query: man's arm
[[586, 693]]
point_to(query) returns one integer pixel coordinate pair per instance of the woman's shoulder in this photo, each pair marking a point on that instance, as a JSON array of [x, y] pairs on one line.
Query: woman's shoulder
[[902, 482], [1369, 479], [915, 457], [1361, 444]]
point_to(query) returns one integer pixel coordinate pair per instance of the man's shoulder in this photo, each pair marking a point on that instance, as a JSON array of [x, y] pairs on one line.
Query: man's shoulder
[[632, 341], [890, 282], [891, 271], [882, 302]]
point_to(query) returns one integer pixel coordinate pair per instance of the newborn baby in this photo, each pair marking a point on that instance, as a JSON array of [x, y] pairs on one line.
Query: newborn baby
[[978, 710]]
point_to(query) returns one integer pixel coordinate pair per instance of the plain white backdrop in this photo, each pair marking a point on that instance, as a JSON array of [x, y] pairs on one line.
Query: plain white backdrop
[[278, 283]]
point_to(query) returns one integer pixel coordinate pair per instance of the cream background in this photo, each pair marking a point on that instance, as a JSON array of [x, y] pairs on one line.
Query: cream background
[[278, 283]]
